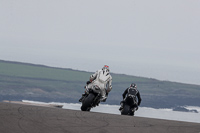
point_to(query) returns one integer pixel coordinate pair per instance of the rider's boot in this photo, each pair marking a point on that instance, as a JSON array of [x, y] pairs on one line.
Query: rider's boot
[[103, 98], [122, 105], [133, 110]]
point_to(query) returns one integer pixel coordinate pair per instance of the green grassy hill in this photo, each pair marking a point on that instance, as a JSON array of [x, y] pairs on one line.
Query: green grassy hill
[[20, 81]]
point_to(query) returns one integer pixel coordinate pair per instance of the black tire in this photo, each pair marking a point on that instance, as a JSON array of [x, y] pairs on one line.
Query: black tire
[[86, 105], [125, 110]]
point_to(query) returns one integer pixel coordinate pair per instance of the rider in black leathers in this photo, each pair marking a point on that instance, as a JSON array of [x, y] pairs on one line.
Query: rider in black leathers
[[132, 89]]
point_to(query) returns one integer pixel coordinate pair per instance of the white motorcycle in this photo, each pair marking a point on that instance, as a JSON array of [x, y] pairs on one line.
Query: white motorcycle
[[91, 99]]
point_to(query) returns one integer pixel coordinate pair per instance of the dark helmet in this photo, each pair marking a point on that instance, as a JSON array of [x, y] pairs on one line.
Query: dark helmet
[[133, 85]]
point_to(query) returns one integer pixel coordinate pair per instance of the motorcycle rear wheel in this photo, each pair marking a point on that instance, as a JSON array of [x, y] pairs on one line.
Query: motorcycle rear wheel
[[126, 110]]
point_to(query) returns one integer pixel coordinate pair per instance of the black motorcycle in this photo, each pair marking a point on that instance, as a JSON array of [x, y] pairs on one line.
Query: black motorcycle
[[129, 105], [91, 99]]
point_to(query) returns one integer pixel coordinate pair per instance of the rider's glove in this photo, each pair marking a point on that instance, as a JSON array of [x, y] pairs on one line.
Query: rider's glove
[[88, 82], [106, 93]]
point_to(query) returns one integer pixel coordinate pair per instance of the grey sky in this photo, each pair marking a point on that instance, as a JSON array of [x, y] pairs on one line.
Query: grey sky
[[149, 38]]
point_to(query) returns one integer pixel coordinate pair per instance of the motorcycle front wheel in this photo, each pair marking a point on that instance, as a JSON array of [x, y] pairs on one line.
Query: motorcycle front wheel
[[86, 104]]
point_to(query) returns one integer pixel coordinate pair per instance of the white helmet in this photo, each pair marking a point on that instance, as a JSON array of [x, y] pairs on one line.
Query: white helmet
[[106, 67]]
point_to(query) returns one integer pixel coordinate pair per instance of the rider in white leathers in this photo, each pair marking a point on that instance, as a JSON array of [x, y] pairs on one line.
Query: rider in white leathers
[[103, 79]]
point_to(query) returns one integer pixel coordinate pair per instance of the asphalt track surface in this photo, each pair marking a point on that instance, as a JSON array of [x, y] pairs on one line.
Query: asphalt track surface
[[19, 118]]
